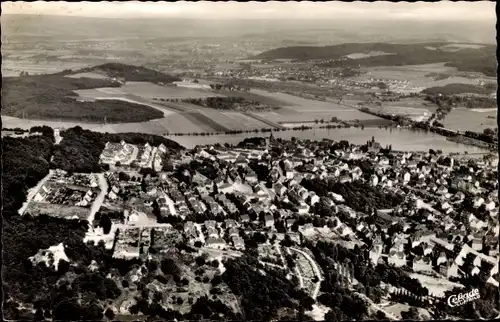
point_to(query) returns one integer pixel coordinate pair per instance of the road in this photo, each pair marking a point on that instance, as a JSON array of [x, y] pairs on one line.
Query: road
[[33, 191], [103, 185]]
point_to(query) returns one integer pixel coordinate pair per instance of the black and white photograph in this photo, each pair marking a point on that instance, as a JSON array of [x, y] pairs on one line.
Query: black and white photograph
[[249, 161]]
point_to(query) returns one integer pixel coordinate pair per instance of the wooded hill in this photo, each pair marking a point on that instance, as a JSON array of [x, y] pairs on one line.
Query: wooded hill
[[127, 73], [481, 59], [52, 96]]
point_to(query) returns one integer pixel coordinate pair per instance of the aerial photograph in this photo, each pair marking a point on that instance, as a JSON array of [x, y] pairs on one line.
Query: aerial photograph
[[249, 161]]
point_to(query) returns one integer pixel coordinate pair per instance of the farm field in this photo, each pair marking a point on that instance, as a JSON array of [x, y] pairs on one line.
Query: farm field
[[244, 121], [470, 120], [414, 108], [88, 75], [149, 91], [14, 67], [302, 109], [417, 75], [256, 95]]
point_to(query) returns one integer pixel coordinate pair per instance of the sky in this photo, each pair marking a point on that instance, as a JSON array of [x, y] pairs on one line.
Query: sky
[[444, 10]]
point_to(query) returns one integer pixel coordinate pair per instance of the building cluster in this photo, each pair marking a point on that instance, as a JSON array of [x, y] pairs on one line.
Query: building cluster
[[445, 223], [61, 188], [134, 156]]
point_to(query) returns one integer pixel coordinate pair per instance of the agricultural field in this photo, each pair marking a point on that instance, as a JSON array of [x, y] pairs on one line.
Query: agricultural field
[[303, 110], [418, 75], [416, 108], [257, 95], [471, 120], [148, 91], [15, 67], [243, 121], [88, 75]]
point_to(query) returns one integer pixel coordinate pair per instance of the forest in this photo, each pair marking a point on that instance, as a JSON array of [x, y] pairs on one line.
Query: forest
[[53, 97], [456, 88], [262, 294], [131, 73], [228, 103], [468, 60], [25, 163]]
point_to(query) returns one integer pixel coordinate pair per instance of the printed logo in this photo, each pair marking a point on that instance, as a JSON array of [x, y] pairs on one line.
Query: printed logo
[[463, 298]]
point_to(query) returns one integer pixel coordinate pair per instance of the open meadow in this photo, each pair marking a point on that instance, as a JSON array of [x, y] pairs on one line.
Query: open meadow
[[301, 109], [464, 119]]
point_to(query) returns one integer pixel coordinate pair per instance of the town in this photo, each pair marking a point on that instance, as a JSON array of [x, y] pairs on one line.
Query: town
[[434, 216]]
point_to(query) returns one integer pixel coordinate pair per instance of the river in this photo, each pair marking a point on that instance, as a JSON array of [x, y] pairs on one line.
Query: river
[[400, 139]]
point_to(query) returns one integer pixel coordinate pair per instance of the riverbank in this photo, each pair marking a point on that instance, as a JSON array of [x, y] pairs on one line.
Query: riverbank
[[467, 137], [401, 139]]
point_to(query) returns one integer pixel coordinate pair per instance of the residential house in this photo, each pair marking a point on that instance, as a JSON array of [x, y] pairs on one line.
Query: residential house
[[423, 263], [269, 221], [238, 242], [241, 161], [251, 177], [232, 232], [216, 243], [42, 193], [396, 258], [229, 223]]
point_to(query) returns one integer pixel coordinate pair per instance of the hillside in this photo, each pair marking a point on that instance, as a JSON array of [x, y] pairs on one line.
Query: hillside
[[130, 73], [470, 59], [52, 96], [452, 89]]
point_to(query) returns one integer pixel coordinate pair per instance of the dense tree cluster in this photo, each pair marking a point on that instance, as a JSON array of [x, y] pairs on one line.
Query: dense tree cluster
[[263, 292], [132, 73], [446, 101], [205, 168], [252, 142], [22, 238], [214, 310], [44, 130], [357, 194], [25, 163], [227, 103], [456, 88]]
